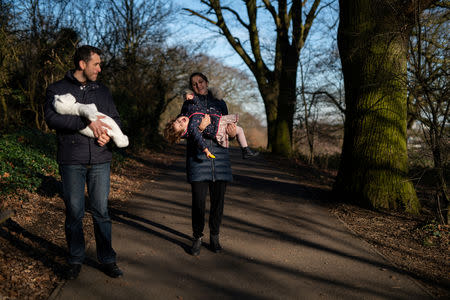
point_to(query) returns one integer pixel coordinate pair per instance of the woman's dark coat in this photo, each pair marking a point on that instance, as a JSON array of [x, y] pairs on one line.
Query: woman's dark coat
[[198, 166]]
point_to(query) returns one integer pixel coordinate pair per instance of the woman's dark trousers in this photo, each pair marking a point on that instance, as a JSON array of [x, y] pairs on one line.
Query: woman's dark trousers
[[216, 193]]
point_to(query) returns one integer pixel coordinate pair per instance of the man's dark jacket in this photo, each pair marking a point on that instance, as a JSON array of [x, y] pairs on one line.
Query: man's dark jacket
[[73, 147]]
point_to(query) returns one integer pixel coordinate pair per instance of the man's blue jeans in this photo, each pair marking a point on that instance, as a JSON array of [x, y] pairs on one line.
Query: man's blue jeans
[[74, 178]]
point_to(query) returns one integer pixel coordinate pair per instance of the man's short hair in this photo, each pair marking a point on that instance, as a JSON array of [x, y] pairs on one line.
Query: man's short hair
[[84, 53]]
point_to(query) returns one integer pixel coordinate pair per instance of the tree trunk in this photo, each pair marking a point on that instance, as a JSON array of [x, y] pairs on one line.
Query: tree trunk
[[5, 111], [442, 202], [372, 39], [270, 98], [279, 100], [287, 100]]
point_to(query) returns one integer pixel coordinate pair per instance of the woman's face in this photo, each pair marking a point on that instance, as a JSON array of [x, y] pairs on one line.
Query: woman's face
[[199, 85]]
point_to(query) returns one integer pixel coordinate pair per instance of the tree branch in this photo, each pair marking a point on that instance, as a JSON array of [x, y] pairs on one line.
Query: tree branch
[[273, 12], [236, 15], [297, 26], [331, 97], [194, 13], [254, 37], [308, 23], [234, 42]]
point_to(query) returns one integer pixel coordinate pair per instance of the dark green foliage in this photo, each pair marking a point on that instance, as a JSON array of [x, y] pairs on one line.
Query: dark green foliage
[[26, 159]]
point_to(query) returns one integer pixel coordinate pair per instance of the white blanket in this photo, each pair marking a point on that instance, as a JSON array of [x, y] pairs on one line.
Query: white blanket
[[67, 105]]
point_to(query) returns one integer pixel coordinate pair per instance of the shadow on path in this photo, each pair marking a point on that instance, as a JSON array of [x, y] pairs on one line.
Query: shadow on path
[[46, 252], [132, 220]]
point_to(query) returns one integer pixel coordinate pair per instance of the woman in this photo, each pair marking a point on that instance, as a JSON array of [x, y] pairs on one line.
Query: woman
[[204, 173]]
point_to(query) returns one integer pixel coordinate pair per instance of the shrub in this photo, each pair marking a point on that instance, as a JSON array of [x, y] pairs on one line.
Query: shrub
[[27, 157]]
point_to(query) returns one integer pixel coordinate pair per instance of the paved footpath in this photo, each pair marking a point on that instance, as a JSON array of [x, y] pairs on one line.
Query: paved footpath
[[280, 243]]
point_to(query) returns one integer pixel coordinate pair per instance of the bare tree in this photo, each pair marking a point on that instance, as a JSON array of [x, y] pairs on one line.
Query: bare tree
[[8, 58], [331, 87], [140, 69], [428, 70], [308, 113], [38, 30], [278, 84]]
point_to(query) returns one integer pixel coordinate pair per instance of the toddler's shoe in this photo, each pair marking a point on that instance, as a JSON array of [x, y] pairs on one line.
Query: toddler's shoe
[[248, 153]]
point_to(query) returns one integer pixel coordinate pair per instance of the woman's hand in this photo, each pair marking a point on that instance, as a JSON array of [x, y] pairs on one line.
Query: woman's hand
[[205, 122], [231, 130]]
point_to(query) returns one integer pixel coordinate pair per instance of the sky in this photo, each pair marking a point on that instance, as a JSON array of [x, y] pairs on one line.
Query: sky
[[192, 28]]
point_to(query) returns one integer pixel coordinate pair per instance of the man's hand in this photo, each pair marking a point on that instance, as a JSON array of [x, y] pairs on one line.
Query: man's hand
[[231, 130], [205, 122], [103, 139], [98, 127]]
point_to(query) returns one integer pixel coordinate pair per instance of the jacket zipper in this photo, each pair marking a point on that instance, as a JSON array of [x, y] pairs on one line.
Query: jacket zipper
[[83, 88], [212, 164], [211, 144]]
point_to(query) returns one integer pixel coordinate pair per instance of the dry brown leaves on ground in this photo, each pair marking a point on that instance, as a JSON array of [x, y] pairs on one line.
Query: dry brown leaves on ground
[[418, 247], [32, 242]]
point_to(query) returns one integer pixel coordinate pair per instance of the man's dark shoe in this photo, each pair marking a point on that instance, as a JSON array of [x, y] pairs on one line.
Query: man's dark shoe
[[73, 271], [247, 153], [196, 245], [112, 270], [214, 243]]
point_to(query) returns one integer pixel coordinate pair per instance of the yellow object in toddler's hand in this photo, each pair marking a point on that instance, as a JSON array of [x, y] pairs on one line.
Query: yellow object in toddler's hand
[[208, 154]]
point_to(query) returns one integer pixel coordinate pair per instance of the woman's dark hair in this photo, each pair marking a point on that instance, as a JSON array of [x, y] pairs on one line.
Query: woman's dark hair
[[84, 53], [197, 74]]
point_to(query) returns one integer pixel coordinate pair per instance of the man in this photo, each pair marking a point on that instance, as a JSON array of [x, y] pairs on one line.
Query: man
[[83, 160]]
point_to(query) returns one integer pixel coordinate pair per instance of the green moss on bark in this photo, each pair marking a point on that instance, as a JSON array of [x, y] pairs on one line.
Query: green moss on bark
[[374, 165]]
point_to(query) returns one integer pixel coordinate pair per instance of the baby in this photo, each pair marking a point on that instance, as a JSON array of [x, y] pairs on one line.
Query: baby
[[67, 105], [186, 126]]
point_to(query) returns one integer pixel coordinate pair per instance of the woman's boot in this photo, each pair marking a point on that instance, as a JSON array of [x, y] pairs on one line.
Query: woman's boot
[[214, 243]]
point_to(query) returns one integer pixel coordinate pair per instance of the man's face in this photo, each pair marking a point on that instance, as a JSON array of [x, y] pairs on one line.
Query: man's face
[[199, 85], [92, 67], [181, 124]]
